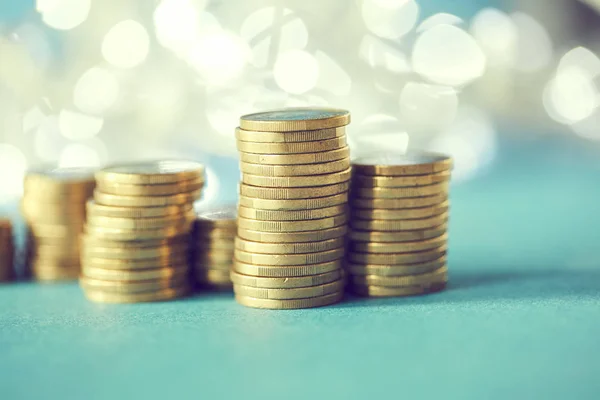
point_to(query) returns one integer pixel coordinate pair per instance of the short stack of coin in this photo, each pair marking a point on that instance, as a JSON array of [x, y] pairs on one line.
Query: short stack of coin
[[136, 242], [214, 234], [53, 206], [398, 236], [292, 215], [7, 251]]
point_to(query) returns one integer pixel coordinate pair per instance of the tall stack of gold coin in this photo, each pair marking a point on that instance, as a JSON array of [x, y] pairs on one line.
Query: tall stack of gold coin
[[7, 251], [214, 233], [136, 242], [398, 239], [53, 206], [292, 215]]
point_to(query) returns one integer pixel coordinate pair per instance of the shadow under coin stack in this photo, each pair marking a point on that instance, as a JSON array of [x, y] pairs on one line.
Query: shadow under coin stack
[[398, 239], [136, 242], [214, 233], [7, 251], [53, 206], [292, 215]]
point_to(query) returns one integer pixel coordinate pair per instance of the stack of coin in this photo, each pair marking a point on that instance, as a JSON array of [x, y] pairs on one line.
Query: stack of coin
[[398, 239], [6, 251], [53, 205], [214, 233], [292, 215], [136, 242]]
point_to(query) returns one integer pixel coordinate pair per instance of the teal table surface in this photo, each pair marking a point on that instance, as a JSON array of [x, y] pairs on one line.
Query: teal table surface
[[520, 319]]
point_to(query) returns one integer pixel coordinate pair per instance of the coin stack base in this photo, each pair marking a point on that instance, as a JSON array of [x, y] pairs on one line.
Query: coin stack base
[[212, 257], [398, 238], [292, 212], [7, 251], [136, 244], [53, 206]]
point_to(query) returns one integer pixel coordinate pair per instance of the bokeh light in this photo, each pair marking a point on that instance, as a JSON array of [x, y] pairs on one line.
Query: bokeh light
[[96, 91], [296, 71], [79, 155], [439, 19], [11, 184], [534, 47], [390, 19], [64, 14], [427, 108], [126, 44], [447, 55], [78, 126], [497, 35], [177, 24]]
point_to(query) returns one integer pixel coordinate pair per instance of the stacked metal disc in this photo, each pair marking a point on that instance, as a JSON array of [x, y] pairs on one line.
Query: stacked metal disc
[[136, 242], [398, 239], [6, 251], [292, 216], [53, 206], [214, 234]]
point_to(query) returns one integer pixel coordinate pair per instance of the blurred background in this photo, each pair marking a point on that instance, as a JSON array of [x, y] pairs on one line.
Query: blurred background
[[509, 88]]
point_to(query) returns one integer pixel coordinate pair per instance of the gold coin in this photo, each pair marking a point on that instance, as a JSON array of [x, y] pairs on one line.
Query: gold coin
[[273, 304], [100, 296], [382, 291], [135, 253], [401, 192], [400, 181], [51, 250], [289, 259], [285, 283], [397, 258], [287, 137], [98, 210], [59, 180], [294, 159], [292, 226], [215, 244], [396, 270], [298, 204], [399, 224], [410, 202], [53, 262], [426, 279], [209, 258], [89, 241], [221, 266], [402, 213], [296, 181], [41, 212], [291, 215], [288, 248], [295, 170], [292, 293], [151, 173], [55, 231], [221, 217], [399, 247], [140, 223], [398, 236], [413, 163], [294, 193], [54, 274], [292, 148], [214, 234], [145, 201], [131, 287], [286, 271], [278, 237], [138, 234], [131, 264], [164, 189], [295, 119], [134, 275], [212, 276]]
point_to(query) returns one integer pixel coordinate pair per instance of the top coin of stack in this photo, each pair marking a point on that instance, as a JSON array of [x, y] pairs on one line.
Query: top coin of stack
[[53, 205], [398, 240], [292, 208], [6, 251], [212, 245], [136, 242]]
